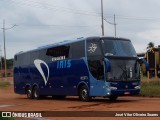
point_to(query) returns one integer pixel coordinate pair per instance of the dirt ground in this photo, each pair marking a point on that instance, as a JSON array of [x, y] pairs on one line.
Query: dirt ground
[[9, 101]]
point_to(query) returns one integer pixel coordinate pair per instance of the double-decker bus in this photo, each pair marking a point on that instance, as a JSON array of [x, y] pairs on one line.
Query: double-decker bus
[[86, 67]]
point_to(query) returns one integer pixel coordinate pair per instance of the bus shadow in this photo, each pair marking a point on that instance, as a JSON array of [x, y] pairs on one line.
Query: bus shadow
[[93, 100]]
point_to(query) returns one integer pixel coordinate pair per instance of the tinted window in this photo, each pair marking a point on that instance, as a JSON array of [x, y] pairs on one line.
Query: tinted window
[[118, 47], [93, 48], [95, 62], [60, 52], [43, 56], [34, 55], [23, 59], [77, 50]]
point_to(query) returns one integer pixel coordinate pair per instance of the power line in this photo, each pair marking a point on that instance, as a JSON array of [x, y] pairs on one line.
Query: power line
[[59, 7], [52, 25], [89, 12], [136, 18], [115, 29], [53, 8], [109, 22], [36, 4]]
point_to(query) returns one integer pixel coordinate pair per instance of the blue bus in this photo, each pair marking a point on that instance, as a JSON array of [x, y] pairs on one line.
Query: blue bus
[[87, 67]]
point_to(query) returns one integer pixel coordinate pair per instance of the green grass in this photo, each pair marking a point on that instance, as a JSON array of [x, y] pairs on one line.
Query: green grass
[[150, 88], [4, 84]]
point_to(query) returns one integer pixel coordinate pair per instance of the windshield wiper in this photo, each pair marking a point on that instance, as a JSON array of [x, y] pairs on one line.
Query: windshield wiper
[[124, 74]]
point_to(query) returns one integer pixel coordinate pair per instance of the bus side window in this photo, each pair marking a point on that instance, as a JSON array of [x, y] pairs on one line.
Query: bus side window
[[15, 57], [43, 56], [15, 60], [33, 56], [23, 59], [60, 52], [77, 50], [93, 49]]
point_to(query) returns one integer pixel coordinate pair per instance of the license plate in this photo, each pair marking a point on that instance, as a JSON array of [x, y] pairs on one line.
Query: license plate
[[126, 93]]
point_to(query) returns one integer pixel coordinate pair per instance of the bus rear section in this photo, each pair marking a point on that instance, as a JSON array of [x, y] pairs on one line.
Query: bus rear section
[[57, 70]]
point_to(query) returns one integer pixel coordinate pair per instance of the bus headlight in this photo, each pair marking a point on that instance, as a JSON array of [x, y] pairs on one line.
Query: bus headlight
[[137, 87]]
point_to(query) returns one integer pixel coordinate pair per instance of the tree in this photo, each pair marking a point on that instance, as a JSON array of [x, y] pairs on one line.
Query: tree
[[9, 63], [150, 45]]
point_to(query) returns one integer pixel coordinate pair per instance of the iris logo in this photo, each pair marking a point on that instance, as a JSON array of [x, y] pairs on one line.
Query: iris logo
[[63, 64]]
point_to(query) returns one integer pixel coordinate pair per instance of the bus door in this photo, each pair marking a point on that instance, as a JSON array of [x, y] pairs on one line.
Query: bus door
[[96, 68]]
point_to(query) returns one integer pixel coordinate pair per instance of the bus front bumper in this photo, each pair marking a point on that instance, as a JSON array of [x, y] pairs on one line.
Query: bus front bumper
[[125, 92]]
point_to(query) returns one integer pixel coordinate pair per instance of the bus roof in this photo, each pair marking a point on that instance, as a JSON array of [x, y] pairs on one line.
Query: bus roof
[[69, 42]]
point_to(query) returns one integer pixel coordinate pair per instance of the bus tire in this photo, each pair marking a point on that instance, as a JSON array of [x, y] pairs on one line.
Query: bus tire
[[83, 94], [113, 98], [29, 93], [36, 93]]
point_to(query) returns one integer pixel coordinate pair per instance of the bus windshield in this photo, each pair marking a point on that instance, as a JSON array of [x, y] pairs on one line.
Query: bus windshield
[[118, 47]]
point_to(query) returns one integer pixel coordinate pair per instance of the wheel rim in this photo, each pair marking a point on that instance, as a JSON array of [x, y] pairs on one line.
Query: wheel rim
[[35, 93], [84, 94], [29, 93]]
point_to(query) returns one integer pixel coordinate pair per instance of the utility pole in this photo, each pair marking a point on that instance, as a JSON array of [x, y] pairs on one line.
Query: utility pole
[[5, 63], [115, 25], [102, 18], [1, 57]]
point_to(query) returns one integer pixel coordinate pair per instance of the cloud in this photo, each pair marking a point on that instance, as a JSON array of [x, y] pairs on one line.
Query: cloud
[[71, 13], [151, 35], [145, 37]]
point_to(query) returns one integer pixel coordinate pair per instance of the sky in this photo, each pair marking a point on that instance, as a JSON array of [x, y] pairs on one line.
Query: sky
[[42, 22]]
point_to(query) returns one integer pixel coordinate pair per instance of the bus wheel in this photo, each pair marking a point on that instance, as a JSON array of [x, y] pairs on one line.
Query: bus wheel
[[29, 93], [36, 93], [84, 95], [113, 98]]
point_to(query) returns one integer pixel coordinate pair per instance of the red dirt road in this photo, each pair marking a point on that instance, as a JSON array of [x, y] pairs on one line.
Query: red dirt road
[[13, 102]]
